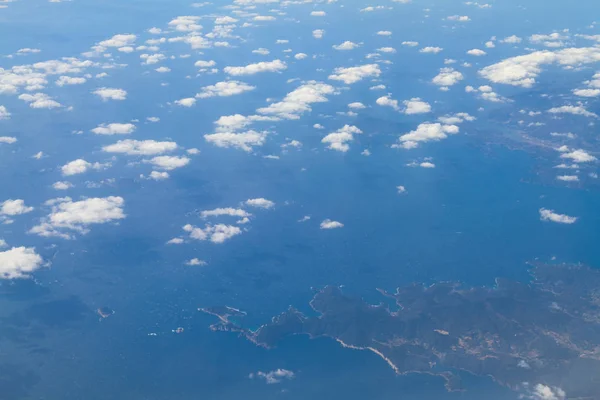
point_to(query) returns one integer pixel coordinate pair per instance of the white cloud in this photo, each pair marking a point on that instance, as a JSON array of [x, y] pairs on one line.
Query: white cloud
[[318, 33], [157, 176], [416, 106], [68, 215], [329, 224], [426, 132], [401, 189], [410, 43], [387, 101], [544, 392], [260, 203], [244, 141], [476, 52], [62, 185], [387, 49], [14, 207], [229, 211], [39, 100], [356, 105], [168, 162], [187, 102], [251, 69], [347, 45], [587, 92], [110, 93], [114, 129], [575, 110], [427, 164], [550, 215], [176, 241], [4, 114], [79, 166], [299, 100], [580, 156], [185, 23], [384, 33], [354, 74], [196, 261], [119, 41], [568, 178], [511, 39], [215, 233], [275, 376], [163, 70], [205, 64], [318, 13], [224, 89], [8, 139], [19, 262], [447, 77], [300, 56], [262, 51], [459, 18], [68, 80], [522, 70], [339, 139], [140, 147], [430, 49]]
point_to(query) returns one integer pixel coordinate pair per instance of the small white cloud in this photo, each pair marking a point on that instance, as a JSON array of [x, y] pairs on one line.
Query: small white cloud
[[4, 114], [14, 207], [251, 69], [244, 141], [476, 52], [416, 106], [579, 155], [19, 262], [356, 105], [215, 233], [459, 18], [447, 77], [176, 241], [511, 39], [339, 139], [140, 147], [318, 13], [300, 56], [387, 101], [68, 80], [431, 49], [260, 203], [168, 162], [196, 262], [39, 100], [110, 93], [426, 132], [79, 166], [8, 139], [347, 45], [62, 185], [273, 377], [384, 33], [225, 89], [318, 33], [550, 215], [187, 102], [352, 75], [114, 129], [401, 189], [329, 224], [575, 110]]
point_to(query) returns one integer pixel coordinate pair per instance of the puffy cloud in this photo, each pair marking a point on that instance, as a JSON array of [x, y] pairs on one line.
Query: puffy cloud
[[264, 18], [251, 69], [158, 175], [79, 166], [476, 52], [427, 164], [39, 100], [187, 102], [205, 64], [511, 39], [459, 18], [487, 93], [119, 40], [430, 49], [575, 110], [140, 147], [426, 132], [318, 13], [273, 377], [387, 101], [522, 70], [4, 114], [8, 139], [401, 189], [356, 105], [223, 89], [410, 43], [168, 162], [568, 178], [447, 77], [587, 92], [550, 215], [244, 141], [262, 51], [260, 203], [339, 139], [215, 233], [62, 185], [14, 207], [387, 49], [544, 392], [329, 224], [299, 100], [347, 45], [185, 23], [300, 56], [196, 261], [19, 262], [416, 106], [318, 33], [114, 129], [384, 33], [151, 59], [110, 93], [68, 215], [354, 74], [580, 156], [229, 211], [68, 80]]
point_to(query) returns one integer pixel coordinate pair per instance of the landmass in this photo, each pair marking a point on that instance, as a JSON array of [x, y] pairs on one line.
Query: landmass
[[545, 332]]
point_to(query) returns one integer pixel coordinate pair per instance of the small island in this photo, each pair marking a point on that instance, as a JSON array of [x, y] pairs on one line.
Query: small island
[[544, 332]]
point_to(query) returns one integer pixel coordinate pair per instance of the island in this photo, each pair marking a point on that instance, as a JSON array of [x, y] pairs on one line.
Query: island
[[545, 332]]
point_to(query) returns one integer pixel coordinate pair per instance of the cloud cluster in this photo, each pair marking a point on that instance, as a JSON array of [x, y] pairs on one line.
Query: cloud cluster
[[299, 100], [251, 69], [19, 262], [550, 215], [339, 139], [14, 207], [218, 233], [426, 132], [244, 140], [224, 89], [352, 75]]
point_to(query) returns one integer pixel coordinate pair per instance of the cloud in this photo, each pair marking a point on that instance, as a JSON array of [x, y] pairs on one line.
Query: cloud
[[185, 23], [68, 80], [39, 100], [19, 262], [251, 69], [522, 70], [447, 77], [229, 211], [550, 215], [318, 13], [114, 129], [187, 102], [429, 49], [416, 106], [387, 49], [8, 139], [157, 176], [426, 132], [487, 93], [544, 392], [329, 224], [427, 164], [387, 101], [110, 93], [347, 45], [299, 100], [168, 162], [568, 178], [260, 203], [587, 92], [140, 147], [62, 185], [262, 51], [205, 64], [151, 59], [224, 89], [476, 52], [196, 261], [459, 18], [580, 156], [273, 377], [300, 56], [352, 75], [410, 43], [384, 33], [511, 39], [215, 233], [79, 166], [68, 215], [244, 141], [14, 207], [4, 114], [119, 40], [318, 33], [401, 189], [339, 139], [357, 105], [575, 110]]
